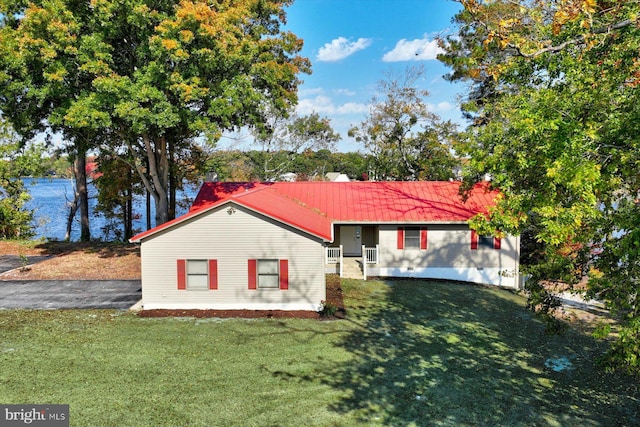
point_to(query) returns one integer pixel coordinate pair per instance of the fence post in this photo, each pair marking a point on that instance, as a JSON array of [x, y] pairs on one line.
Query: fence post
[[341, 261]]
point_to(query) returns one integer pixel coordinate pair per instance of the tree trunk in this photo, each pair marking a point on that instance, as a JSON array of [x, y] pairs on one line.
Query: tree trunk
[[130, 222], [128, 225], [162, 209], [156, 180], [172, 182], [148, 207], [73, 208], [148, 200], [83, 195]]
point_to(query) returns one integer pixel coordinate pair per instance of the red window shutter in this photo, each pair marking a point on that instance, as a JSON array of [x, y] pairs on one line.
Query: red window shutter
[[474, 239], [400, 238], [496, 243], [423, 238], [284, 274], [253, 274], [182, 274], [213, 274]]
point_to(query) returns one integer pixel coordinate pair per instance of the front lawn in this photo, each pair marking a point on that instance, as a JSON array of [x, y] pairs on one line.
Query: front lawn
[[409, 353]]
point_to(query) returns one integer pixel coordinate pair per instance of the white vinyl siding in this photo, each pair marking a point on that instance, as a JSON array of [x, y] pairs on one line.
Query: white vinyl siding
[[449, 249], [232, 237]]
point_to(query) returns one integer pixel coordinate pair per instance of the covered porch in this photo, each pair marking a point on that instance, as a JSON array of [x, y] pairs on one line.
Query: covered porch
[[355, 247]]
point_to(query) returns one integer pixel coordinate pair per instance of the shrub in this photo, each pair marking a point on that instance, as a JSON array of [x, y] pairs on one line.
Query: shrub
[[327, 309]]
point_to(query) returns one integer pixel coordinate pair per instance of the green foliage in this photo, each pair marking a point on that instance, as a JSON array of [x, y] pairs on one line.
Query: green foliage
[[232, 165], [15, 220], [327, 309], [406, 140], [16, 162], [146, 77], [555, 107], [117, 186], [286, 138], [308, 165], [24, 262], [58, 165], [312, 132], [625, 350]]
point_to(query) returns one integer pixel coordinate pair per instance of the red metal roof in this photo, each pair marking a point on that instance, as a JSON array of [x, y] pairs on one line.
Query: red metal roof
[[315, 206]]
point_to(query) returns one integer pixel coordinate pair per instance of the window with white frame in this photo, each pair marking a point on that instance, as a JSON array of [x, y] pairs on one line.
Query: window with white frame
[[412, 238], [197, 274], [268, 273]]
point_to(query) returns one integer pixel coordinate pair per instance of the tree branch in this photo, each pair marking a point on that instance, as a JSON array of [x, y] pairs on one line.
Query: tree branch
[[580, 39]]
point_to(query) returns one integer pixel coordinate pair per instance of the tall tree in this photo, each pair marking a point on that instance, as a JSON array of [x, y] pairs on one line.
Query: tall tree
[[117, 186], [41, 53], [558, 134], [285, 137], [247, 166], [148, 73], [197, 68], [354, 165], [406, 140], [232, 166]]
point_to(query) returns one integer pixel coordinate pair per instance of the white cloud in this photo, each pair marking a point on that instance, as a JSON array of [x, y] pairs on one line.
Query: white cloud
[[413, 50], [445, 106], [346, 92], [352, 108], [340, 48], [324, 105], [441, 107], [310, 91], [320, 104]]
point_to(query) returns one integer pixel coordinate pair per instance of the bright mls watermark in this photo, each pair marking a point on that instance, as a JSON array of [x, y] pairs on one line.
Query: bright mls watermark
[[34, 415]]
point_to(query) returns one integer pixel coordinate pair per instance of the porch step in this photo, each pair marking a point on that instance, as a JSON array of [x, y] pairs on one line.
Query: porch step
[[352, 268]]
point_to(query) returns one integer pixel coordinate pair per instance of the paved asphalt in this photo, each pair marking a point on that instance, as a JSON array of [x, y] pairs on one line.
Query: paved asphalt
[[58, 294], [9, 262]]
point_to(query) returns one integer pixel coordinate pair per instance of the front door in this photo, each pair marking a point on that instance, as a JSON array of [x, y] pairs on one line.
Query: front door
[[351, 240]]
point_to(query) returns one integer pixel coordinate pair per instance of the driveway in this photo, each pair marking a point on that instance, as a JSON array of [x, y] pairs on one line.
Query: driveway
[[55, 294], [9, 262]]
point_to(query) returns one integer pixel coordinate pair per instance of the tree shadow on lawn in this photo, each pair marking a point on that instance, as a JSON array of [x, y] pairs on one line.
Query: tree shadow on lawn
[[101, 249], [443, 353]]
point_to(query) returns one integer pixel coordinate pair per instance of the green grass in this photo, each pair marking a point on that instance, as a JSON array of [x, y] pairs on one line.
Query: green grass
[[409, 353]]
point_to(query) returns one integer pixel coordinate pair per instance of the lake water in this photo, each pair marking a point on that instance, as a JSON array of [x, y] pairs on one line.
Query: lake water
[[49, 199]]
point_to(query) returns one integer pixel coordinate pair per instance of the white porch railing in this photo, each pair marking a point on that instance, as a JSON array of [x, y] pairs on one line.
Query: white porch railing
[[334, 256], [369, 256]]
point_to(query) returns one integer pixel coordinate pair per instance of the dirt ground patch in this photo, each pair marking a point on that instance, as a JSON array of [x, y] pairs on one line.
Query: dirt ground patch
[[73, 261]]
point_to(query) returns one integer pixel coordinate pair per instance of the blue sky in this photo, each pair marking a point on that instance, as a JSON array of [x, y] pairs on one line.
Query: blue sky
[[353, 43]]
